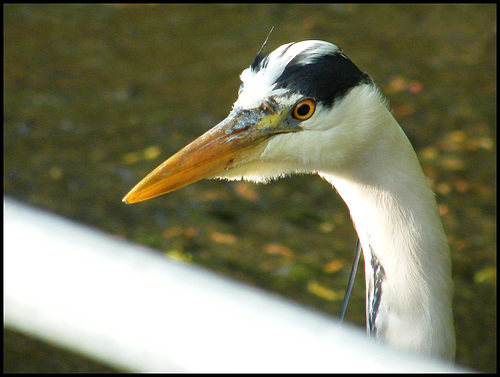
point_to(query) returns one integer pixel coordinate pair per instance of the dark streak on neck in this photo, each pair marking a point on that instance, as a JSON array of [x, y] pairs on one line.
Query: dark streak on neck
[[376, 296]]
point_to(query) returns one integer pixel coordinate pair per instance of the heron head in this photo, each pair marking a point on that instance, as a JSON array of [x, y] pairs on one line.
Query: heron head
[[287, 102]]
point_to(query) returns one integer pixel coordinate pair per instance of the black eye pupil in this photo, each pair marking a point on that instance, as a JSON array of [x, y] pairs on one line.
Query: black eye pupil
[[303, 110]]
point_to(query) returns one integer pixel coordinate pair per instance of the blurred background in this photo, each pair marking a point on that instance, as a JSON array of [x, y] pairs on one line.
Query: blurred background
[[96, 96]]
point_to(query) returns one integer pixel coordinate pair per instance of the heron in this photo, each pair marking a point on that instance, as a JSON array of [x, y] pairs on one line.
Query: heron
[[307, 108]]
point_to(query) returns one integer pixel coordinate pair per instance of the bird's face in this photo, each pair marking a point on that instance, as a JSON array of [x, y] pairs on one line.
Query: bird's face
[[286, 102]]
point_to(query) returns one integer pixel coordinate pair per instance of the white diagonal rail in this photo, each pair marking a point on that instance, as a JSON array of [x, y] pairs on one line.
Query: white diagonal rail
[[131, 308]]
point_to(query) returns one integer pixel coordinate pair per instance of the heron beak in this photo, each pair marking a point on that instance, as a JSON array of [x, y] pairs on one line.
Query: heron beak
[[217, 150]]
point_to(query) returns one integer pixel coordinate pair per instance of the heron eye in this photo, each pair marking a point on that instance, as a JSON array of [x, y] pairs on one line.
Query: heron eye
[[304, 109]]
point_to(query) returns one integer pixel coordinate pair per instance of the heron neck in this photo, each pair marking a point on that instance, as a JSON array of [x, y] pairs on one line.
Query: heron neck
[[407, 259]]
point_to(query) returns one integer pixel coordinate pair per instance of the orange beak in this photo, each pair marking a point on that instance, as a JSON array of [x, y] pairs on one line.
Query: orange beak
[[219, 149]]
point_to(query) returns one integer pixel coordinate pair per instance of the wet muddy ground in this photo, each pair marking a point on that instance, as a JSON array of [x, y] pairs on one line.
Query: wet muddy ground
[[96, 96]]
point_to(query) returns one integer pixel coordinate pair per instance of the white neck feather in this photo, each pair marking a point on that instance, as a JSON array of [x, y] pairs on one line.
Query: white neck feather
[[397, 221], [360, 149]]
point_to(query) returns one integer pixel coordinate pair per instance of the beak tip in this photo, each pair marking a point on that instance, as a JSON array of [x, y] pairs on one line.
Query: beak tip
[[135, 197], [126, 199]]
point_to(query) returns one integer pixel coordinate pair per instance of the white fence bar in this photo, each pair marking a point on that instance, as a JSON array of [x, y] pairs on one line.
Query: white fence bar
[[133, 309]]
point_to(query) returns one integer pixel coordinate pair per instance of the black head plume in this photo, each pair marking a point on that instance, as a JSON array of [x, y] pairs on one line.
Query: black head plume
[[260, 54]]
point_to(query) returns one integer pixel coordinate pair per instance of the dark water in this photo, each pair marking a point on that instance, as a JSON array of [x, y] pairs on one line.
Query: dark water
[[96, 96]]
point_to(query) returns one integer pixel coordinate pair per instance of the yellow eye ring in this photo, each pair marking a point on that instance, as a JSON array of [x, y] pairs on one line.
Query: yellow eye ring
[[304, 109]]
